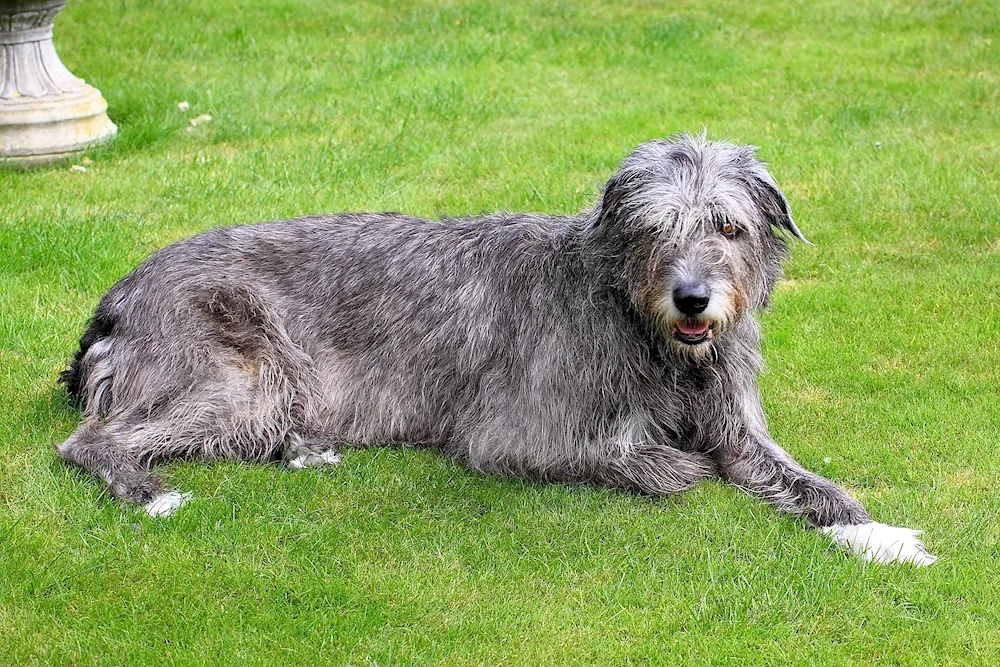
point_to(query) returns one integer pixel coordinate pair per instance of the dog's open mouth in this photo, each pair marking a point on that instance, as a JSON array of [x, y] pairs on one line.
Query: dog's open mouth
[[692, 332]]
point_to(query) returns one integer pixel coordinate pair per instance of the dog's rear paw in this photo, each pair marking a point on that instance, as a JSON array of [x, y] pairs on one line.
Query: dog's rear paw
[[166, 504], [881, 543], [310, 452], [305, 458]]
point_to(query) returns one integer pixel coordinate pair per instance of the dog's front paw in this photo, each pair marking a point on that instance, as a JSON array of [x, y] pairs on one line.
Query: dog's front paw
[[881, 543]]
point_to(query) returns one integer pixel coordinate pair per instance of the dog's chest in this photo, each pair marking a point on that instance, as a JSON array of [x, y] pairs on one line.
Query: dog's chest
[[687, 404]]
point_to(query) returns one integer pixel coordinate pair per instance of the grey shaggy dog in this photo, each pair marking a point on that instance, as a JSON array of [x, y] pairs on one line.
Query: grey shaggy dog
[[617, 347]]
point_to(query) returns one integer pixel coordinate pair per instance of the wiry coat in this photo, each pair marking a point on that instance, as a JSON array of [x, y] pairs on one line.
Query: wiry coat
[[547, 347]]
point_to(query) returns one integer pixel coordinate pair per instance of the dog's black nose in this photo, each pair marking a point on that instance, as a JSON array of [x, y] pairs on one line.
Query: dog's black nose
[[691, 298]]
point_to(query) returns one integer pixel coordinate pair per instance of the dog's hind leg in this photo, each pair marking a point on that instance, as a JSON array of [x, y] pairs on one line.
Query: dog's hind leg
[[227, 383], [657, 470], [95, 448]]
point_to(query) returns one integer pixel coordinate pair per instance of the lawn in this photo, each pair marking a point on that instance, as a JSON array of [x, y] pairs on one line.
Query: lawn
[[881, 122]]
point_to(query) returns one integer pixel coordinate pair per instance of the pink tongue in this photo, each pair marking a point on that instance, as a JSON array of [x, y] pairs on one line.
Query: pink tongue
[[692, 328]]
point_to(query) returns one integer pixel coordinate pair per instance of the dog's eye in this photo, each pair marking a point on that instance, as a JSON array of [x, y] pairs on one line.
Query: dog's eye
[[728, 228]]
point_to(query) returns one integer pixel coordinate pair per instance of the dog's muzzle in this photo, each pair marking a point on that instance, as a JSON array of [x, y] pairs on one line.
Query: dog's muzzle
[[691, 299], [692, 331]]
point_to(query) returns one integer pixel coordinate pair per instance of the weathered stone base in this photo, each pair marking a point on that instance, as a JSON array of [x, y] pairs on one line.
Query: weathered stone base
[[35, 131], [46, 113]]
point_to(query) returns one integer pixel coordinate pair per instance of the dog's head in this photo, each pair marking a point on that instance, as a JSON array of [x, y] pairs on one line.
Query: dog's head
[[704, 221]]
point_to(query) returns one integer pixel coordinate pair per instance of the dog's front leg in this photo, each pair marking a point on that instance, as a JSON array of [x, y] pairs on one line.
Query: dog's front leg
[[753, 461], [657, 470], [756, 463]]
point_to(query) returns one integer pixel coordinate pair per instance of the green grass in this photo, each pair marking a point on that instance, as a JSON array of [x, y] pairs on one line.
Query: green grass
[[880, 121]]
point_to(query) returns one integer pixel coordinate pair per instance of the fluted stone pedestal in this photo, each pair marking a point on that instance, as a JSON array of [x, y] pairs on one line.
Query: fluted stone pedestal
[[46, 113]]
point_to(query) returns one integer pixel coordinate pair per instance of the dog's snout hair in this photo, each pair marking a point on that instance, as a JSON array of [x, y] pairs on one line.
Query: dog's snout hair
[[618, 346]]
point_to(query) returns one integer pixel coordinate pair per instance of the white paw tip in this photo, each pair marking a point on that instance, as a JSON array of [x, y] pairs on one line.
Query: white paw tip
[[330, 458], [313, 460], [166, 504], [882, 543]]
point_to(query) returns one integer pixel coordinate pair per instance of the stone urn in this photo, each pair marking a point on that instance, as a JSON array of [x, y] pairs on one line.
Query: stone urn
[[46, 113]]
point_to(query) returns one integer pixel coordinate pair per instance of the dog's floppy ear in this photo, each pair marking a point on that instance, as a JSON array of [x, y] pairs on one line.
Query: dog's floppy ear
[[612, 200], [774, 206]]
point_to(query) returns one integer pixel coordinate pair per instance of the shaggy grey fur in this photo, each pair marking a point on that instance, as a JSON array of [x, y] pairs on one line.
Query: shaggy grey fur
[[618, 346]]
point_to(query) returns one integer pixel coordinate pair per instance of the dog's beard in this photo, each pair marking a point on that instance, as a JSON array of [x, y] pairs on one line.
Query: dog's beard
[[692, 348]]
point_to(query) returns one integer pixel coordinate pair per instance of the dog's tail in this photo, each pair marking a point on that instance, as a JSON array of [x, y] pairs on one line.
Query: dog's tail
[[74, 377]]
